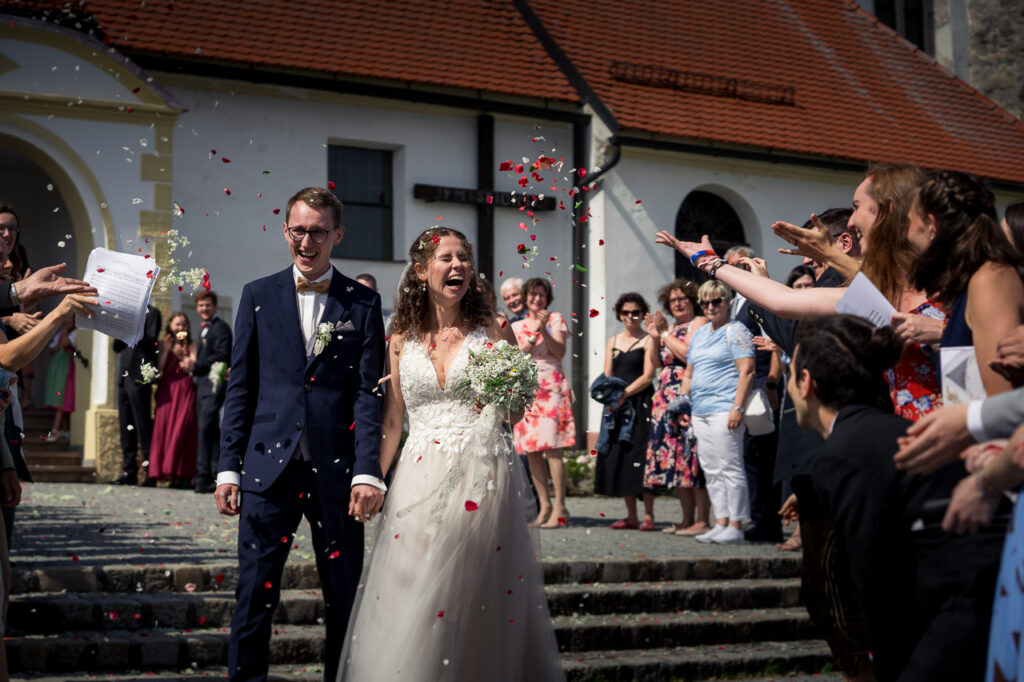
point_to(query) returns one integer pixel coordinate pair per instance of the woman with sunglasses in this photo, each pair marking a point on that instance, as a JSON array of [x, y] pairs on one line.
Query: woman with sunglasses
[[718, 380], [631, 356]]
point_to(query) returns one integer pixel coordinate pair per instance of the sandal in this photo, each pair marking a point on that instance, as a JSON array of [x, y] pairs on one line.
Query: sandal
[[793, 544], [646, 526], [695, 529], [624, 525], [674, 528]]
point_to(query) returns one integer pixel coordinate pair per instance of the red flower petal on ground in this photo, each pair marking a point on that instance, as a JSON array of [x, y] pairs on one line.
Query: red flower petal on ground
[[471, 505]]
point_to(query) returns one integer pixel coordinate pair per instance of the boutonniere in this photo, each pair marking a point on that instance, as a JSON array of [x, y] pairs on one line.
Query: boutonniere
[[324, 331]]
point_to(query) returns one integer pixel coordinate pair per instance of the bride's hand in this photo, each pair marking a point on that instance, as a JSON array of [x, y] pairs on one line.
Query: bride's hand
[[686, 248]]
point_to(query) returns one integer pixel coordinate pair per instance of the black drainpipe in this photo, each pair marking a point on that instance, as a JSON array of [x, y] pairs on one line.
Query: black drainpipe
[[485, 183]]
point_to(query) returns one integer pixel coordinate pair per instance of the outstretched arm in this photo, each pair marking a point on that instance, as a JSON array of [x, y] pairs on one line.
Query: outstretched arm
[[816, 244], [17, 353], [774, 296]]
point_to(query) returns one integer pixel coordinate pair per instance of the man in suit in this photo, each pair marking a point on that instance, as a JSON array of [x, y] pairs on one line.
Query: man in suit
[[925, 594], [302, 430], [135, 399], [214, 346]]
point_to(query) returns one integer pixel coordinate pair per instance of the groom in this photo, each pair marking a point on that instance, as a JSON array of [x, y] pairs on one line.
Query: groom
[[301, 431]]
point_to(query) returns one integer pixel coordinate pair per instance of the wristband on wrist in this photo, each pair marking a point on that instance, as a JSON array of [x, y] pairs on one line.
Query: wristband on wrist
[[715, 264], [14, 295], [700, 254], [738, 408]]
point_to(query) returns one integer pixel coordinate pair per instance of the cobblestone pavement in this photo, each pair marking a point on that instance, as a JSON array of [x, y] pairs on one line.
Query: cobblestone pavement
[[89, 524]]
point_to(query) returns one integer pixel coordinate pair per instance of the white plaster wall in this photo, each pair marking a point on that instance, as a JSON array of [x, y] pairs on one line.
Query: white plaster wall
[[276, 140], [44, 69]]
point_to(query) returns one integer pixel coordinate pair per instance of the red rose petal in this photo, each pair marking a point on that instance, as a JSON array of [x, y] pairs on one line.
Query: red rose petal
[[99, 269], [471, 505], [600, 242], [225, 159], [219, 578], [518, 168], [276, 211], [505, 165], [334, 555], [593, 312], [440, 614], [330, 185]]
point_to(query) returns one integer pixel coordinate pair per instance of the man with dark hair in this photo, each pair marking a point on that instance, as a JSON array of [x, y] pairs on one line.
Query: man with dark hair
[[214, 347], [368, 280], [925, 594]]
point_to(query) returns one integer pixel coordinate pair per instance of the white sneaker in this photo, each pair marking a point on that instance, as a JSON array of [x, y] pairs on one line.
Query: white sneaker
[[729, 536], [711, 534]]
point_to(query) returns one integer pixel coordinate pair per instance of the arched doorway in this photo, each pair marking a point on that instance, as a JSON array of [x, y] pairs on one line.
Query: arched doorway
[[701, 213]]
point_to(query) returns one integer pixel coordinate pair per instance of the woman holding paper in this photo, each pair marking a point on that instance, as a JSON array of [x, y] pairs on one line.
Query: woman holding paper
[[881, 203], [172, 454], [16, 353]]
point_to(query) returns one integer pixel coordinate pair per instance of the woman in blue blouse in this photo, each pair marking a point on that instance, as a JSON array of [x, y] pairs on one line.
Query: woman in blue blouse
[[719, 378]]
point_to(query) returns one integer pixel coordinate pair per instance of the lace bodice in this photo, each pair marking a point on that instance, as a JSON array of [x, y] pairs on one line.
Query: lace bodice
[[434, 413]]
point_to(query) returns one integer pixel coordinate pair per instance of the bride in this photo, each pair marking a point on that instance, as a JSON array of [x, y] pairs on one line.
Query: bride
[[452, 590]]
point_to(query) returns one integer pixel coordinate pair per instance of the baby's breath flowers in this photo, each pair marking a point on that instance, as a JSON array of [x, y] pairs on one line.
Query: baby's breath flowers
[[501, 375], [149, 373]]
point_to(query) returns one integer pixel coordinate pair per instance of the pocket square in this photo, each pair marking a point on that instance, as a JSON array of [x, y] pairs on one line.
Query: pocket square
[[345, 326]]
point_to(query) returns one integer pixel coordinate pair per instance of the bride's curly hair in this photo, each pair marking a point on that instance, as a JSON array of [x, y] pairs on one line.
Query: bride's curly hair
[[412, 314]]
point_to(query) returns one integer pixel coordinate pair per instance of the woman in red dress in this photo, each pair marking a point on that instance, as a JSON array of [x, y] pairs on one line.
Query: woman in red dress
[[172, 455]]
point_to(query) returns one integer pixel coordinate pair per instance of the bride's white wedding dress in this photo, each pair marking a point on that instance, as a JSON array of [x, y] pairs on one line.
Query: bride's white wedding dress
[[452, 589]]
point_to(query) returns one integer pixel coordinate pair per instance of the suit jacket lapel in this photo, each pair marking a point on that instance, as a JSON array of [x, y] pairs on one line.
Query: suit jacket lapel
[[336, 307], [289, 310]]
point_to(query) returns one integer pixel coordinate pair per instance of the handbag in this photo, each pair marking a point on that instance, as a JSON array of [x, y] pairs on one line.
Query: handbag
[[758, 415]]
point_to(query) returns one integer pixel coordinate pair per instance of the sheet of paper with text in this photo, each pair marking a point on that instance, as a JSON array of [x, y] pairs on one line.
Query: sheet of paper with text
[[124, 282]]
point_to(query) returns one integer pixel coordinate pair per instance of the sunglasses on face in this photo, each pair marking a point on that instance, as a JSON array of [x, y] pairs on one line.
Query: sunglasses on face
[[712, 302], [632, 314], [681, 299]]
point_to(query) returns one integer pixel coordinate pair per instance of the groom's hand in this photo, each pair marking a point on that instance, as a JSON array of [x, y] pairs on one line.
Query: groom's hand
[[364, 502], [227, 499]]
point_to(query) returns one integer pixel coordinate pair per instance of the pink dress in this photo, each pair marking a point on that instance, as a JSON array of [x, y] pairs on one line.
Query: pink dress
[[175, 433], [548, 423]]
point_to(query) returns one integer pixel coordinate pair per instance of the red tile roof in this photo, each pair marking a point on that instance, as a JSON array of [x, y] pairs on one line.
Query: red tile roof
[[858, 91], [473, 44]]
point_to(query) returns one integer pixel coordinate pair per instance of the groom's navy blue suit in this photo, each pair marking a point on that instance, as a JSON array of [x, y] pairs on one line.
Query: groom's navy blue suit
[[276, 394]]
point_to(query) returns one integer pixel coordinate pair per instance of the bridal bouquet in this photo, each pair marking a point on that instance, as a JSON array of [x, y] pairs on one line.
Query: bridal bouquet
[[501, 375], [218, 374]]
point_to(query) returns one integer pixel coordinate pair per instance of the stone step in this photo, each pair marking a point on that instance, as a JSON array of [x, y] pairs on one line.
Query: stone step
[[62, 473], [47, 456], [152, 649], [771, 660], [657, 630], [291, 673], [303, 575], [692, 595], [51, 613], [42, 614]]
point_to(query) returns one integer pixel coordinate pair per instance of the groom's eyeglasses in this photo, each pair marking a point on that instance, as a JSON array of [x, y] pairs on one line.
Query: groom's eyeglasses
[[297, 234]]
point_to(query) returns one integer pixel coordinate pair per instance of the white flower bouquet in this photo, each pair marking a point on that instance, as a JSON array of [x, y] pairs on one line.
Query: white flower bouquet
[[149, 373], [218, 374], [501, 375], [324, 330]]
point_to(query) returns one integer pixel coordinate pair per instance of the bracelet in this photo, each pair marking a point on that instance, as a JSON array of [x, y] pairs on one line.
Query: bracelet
[[663, 335], [984, 487], [697, 256], [738, 408], [715, 264], [13, 295]]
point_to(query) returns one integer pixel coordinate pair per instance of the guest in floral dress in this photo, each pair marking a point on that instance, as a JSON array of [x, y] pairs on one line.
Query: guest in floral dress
[[671, 456], [548, 425]]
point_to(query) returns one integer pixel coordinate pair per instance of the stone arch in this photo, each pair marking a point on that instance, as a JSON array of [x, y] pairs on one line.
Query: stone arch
[[717, 212]]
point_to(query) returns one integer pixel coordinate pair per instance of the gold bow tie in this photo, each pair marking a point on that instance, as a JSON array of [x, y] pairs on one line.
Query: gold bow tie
[[304, 286]]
